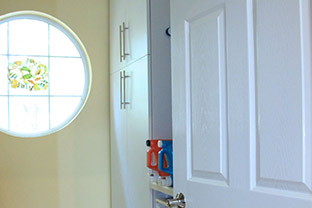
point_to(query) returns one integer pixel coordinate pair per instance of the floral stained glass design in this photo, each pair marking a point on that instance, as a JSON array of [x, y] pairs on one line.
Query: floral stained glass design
[[29, 75]]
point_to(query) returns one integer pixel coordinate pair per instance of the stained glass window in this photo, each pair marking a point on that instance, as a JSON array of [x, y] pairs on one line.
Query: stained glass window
[[28, 75], [45, 74]]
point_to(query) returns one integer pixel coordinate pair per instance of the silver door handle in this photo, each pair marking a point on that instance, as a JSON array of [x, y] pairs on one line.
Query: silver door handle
[[120, 81], [120, 44], [178, 201], [124, 28], [124, 88], [162, 202]]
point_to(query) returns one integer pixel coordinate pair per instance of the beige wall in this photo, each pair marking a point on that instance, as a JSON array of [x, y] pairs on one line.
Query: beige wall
[[69, 169]]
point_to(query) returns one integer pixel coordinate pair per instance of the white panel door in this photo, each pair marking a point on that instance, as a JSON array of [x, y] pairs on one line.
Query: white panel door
[[242, 103], [137, 133]]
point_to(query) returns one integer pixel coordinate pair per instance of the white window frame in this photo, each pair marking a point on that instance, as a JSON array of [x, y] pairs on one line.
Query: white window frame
[[50, 20]]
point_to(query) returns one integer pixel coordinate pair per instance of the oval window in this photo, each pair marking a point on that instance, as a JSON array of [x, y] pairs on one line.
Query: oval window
[[45, 74]]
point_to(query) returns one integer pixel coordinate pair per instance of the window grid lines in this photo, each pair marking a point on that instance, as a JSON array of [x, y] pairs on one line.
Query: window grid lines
[[66, 100]]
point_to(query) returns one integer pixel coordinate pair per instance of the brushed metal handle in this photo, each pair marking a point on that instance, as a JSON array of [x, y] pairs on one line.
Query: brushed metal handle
[[124, 88], [162, 202], [120, 81], [120, 44], [124, 40], [178, 201]]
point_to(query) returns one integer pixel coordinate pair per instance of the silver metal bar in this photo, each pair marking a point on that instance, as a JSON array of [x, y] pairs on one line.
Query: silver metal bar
[[162, 202], [124, 40], [121, 103], [124, 88], [178, 201], [120, 43]]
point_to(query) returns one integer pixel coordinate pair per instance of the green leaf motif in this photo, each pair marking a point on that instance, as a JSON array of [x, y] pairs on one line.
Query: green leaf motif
[[27, 76], [24, 68]]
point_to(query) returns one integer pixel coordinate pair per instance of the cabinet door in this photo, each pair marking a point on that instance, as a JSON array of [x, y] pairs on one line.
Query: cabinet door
[[118, 15], [118, 146], [136, 35], [137, 133]]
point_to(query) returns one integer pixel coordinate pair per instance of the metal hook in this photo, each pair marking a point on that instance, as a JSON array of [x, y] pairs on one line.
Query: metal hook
[[168, 31]]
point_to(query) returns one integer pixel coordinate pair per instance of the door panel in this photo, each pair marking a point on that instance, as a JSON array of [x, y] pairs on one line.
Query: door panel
[[281, 159], [241, 102], [119, 165], [118, 15], [207, 111], [137, 133], [136, 35]]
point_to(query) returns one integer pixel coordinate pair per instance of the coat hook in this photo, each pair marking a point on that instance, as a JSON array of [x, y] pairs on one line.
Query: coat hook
[[168, 31]]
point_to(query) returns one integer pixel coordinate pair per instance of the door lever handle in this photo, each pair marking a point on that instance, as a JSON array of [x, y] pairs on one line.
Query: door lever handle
[[178, 201]]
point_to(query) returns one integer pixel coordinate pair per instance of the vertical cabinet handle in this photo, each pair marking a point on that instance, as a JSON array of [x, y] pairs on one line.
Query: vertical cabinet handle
[[124, 88], [120, 44], [124, 28], [121, 102], [122, 56]]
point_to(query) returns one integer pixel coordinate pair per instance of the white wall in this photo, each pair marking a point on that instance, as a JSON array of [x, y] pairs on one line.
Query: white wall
[[68, 169]]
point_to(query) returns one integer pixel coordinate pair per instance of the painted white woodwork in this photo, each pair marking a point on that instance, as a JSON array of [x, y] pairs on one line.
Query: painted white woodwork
[[136, 35], [148, 89], [118, 14], [208, 95], [159, 70], [129, 131], [283, 102], [119, 144], [241, 90], [137, 133], [134, 14]]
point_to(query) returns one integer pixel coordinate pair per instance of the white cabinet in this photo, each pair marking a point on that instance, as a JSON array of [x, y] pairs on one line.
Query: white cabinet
[[136, 35], [137, 133], [118, 144], [117, 17], [129, 130], [140, 94], [128, 32]]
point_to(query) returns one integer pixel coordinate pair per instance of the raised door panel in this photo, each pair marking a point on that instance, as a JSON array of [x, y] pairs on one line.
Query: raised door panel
[[119, 164], [137, 133], [136, 35], [206, 96], [209, 64], [282, 140], [118, 15]]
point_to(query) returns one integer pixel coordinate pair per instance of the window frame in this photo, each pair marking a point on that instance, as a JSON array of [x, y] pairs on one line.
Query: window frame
[[50, 20]]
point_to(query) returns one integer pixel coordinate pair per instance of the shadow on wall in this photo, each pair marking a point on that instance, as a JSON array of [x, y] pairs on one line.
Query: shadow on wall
[[68, 169]]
